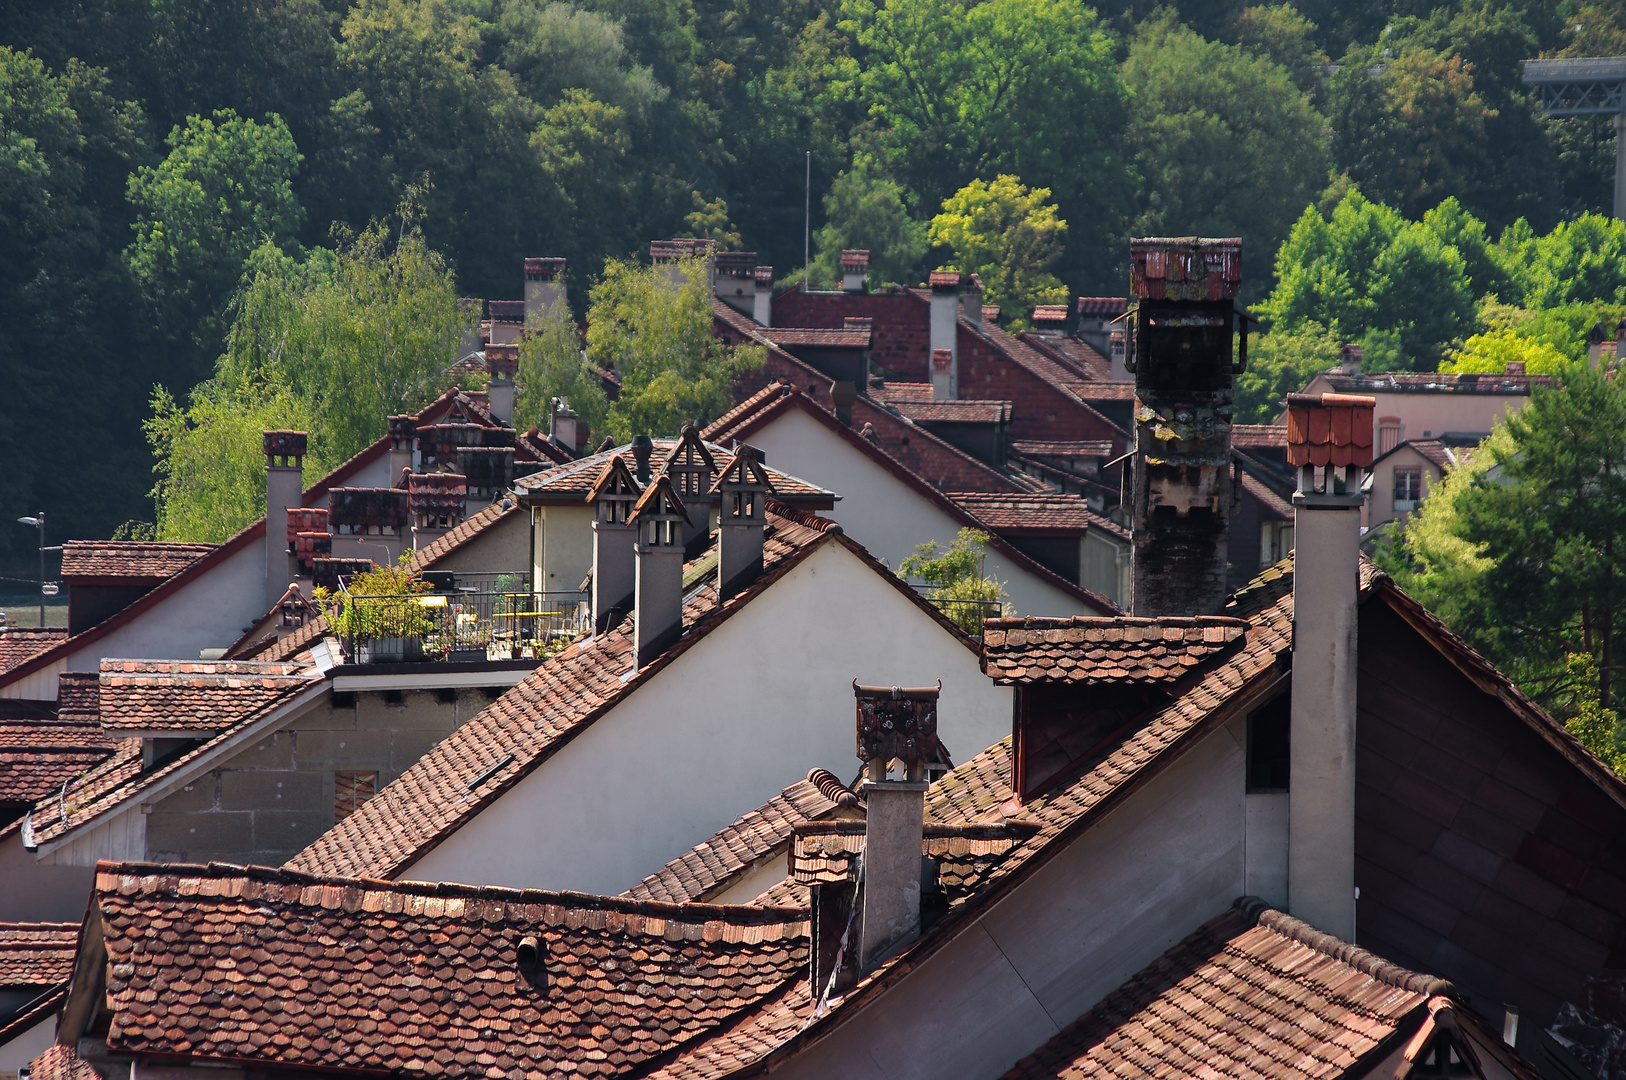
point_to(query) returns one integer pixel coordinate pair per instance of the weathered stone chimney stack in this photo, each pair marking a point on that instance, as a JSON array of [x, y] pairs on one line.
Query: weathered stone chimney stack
[[742, 520], [501, 363], [895, 723], [762, 301], [612, 497], [855, 270], [1178, 487], [1329, 440], [945, 334], [544, 288], [284, 488], [660, 518]]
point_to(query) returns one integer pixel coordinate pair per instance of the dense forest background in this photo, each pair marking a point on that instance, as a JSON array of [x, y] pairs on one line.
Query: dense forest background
[[153, 151]]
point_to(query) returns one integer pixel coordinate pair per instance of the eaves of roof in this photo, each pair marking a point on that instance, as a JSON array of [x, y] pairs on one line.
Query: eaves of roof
[[769, 408], [39, 1011]]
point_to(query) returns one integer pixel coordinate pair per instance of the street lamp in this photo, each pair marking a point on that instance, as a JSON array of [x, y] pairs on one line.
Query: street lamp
[[38, 522]]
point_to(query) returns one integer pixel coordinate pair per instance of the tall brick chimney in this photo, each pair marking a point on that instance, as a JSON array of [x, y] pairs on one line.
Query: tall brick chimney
[[1178, 488], [1329, 440], [612, 497], [660, 518], [945, 334], [284, 486], [762, 301], [544, 288]]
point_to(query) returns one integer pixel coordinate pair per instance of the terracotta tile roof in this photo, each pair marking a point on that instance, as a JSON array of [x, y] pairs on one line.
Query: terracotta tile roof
[[1029, 514], [138, 560], [1073, 353], [1085, 650], [1102, 305], [456, 780], [199, 695], [1433, 451], [20, 644], [895, 393], [430, 975], [827, 852], [60, 1062], [1259, 436], [287, 649], [572, 482], [1105, 391], [943, 465], [790, 337], [1254, 995], [36, 759], [36, 953], [1430, 382], [1055, 448], [79, 698], [715, 862]]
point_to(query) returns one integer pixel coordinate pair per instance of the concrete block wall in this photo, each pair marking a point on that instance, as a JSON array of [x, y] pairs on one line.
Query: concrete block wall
[[276, 796]]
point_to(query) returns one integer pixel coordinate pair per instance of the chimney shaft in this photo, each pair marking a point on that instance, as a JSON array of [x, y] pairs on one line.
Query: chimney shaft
[[658, 604], [762, 303], [671, 253], [501, 363], [613, 496], [1325, 436], [894, 724], [743, 489], [284, 484], [971, 300], [843, 394], [945, 334], [403, 432], [564, 426], [734, 279], [544, 288], [855, 270], [471, 309], [692, 471], [1179, 484]]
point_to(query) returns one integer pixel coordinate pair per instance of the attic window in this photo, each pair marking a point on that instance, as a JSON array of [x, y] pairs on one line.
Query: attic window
[[350, 790], [1268, 745]]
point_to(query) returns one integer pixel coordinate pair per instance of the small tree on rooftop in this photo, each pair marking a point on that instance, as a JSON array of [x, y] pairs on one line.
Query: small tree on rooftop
[[959, 583]]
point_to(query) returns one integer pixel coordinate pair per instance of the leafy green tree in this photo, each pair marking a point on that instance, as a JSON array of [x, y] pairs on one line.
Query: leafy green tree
[[1522, 550], [1367, 269], [1226, 143], [66, 143], [1491, 352], [1579, 260], [1279, 32], [551, 366], [866, 210], [652, 327], [1282, 362], [1461, 230], [1007, 234], [211, 470], [225, 186], [959, 584], [554, 48], [1019, 87]]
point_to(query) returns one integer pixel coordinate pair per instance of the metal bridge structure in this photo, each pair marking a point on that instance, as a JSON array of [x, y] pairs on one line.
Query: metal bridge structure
[[1587, 87]]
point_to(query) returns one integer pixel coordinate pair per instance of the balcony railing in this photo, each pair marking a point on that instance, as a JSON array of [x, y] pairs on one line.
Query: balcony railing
[[966, 614], [459, 618]]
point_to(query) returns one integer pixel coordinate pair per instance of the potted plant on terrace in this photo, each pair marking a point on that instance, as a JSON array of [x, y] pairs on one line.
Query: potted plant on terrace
[[384, 615]]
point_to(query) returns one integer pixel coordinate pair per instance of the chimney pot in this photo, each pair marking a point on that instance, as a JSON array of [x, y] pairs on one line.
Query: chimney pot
[[842, 395], [642, 447]]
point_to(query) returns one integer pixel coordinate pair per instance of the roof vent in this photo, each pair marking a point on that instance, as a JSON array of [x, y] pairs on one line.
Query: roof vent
[[530, 962]]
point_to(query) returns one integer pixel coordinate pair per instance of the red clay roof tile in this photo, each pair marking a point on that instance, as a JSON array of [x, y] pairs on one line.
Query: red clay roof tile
[[139, 560], [36, 953], [195, 695]]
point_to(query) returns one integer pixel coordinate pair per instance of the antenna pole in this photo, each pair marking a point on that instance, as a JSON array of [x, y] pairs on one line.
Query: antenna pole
[[807, 223]]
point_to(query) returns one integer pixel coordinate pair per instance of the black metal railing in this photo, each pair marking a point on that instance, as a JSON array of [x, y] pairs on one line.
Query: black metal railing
[[967, 614], [469, 617]]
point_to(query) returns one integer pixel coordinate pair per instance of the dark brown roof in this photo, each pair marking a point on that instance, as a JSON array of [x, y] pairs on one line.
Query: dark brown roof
[[787, 337], [1432, 382], [702, 869], [1029, 514], [36, 953], [36, 759], [964, 411], [1259, 436], [196, 695], [136, 560], [1058, 448], [483, 759], [62, 1063], [20, 644], [427, 982], [1253, 995], [1085, 650]]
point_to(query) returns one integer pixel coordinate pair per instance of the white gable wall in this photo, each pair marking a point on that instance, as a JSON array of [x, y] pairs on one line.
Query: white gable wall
[[883, 513], [762, 699], [502, 548], [210, 611], [1159, 866]]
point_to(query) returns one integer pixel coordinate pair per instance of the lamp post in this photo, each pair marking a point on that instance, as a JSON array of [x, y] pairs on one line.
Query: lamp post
[[38, 522]]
